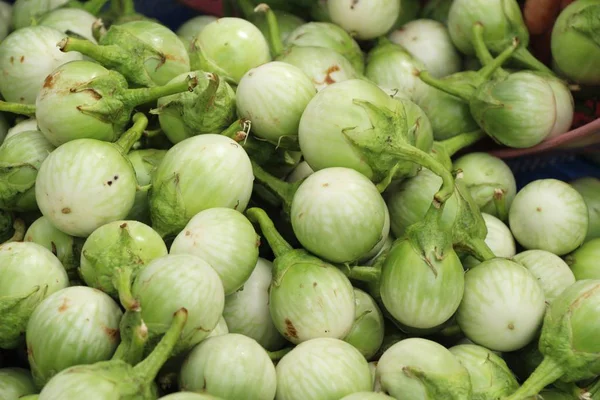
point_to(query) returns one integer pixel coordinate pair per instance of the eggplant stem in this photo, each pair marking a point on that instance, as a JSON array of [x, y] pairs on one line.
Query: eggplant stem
[[524, 57], [122, 281], [418, 156], [489, 69], [462, 92], [479, 249], [456, 143], [139, 96], [206, 100], [546, 373], [17, 108], [481, 51], [133, 134], [277, 243], [284, 190], [108, 55], [273, 31], [364, 274], [149, 368]]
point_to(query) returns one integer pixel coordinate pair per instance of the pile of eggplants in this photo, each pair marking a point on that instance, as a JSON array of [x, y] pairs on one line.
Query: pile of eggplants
[[293, 202]]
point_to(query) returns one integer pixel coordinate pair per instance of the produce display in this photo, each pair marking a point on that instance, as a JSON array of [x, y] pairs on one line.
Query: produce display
[[293, 201]]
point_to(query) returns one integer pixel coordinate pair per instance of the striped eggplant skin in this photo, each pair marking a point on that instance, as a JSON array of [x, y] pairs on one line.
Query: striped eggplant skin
[[65, 247], [511, 294], [322, 65], [34, 56], [273, 97], [330, 36], [85, 184], [339, 215], [199, 173], [436, 373], [29, 273], [23, 126], [220, 329], [174, 281], [247, 310], [364, 20], [322, 369], [21, 157], [548, 214], [422, 285], [551, 271], [310, 299], [231, 366], [229, 47], [368, 329], [225, 239], [16, 383], [490, 376], [69, 19], [74, 326], [24, 11]]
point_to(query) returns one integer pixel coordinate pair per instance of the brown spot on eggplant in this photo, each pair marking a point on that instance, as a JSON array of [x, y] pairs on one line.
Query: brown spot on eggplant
[[538, 209], [12, 60], [314, 284], [290, 329], [22, 59], [328, 78], [66, 210], [50, 80], [123, 225], [113, 334], [511, 326], [188, 233], [64, 306]]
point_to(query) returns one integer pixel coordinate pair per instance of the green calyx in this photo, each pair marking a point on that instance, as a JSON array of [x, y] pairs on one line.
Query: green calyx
[[112, 265], [122, 50], [388, 148], [587, 22], [115, 107], [273, 33], [568, 340], [444, 150], [20, 159], [209, 108], [439, 386], [464, 85], [469, 230], [15, 311]]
